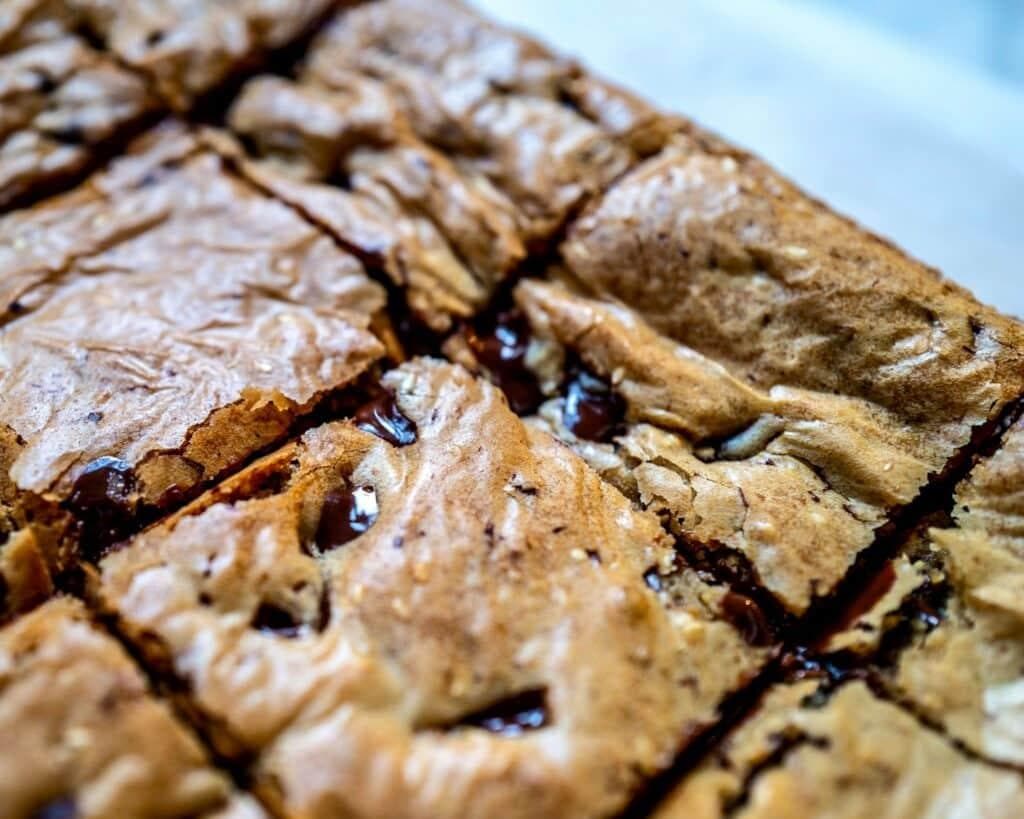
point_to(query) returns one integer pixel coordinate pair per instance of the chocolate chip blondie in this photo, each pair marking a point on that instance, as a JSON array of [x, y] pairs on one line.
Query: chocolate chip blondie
[[62, 102], [458, 620], [397, 420], [162, 323], [943, 632], [852, 755], [84, 736]]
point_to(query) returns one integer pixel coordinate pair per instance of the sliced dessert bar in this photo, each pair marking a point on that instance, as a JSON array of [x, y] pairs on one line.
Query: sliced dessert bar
[[945, 632], [190, 47], [433, 610], [85, 737], [718, 252], [545, 133], [348, 159], [439, 145], [783, 433], [842, 755], [62, 104], [160, 325]]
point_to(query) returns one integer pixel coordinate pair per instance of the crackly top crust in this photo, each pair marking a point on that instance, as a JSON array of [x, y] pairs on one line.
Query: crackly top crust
[[962, 663], [546, 134], [60, 100], [160, 304], [189, 47], [796, 480], [82, 731], [498, 567], [852, 757], [717, 251], [347, 158]]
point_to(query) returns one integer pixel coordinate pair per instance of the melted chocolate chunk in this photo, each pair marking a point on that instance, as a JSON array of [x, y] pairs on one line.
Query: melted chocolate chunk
[[513, 716], [832, 669], [45, 84], [500, 344], [276, 620], [103, 498], [383, 418], [70, 134], [923, 611], [345, 515], [874, 591], [748, 619], [593, 411], [652, 578], [64, 808]]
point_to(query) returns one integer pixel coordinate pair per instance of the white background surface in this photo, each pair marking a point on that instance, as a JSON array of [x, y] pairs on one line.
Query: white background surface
[[926, 151]]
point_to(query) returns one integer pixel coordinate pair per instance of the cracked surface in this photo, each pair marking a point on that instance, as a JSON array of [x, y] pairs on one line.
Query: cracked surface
[[346, 157], [61, 101], [499, 102], [499, 564], [853, 756], [717, 251], [440, 146], [732, 400], [189, 47], [796, 480], [962, 667], [83, 732], [156, 308]]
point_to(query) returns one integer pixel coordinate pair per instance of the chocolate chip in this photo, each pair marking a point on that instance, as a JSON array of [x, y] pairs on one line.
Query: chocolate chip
[[63, 808], [45, 84], [653, 580], [592, 409], [273, 619], [103, 498], [383, 418], [802, 663], [748, 618], [339, 178], [513, 716], [500, 344], [70, 134], [94, 417], [154, 38], [345, 515]]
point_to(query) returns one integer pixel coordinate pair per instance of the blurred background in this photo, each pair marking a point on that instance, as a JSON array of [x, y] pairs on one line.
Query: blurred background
[[906, 114]]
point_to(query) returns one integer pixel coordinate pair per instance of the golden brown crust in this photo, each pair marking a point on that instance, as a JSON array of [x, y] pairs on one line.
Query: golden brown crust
[[499, 569], [82, 731], [960, 661], [546, 135], [797, 480], [438, 609], [717, 251], [190, 47], [60, 101], [854, 756], [168, 316], [346, 158]]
